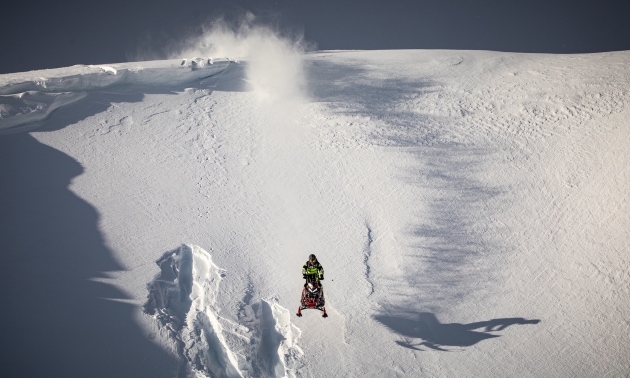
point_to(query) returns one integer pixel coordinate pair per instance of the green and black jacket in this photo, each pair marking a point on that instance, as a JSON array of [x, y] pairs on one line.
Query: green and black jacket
[[313, 269]]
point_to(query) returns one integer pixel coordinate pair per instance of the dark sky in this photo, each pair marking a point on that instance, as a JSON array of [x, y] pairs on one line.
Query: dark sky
[[38, 34]]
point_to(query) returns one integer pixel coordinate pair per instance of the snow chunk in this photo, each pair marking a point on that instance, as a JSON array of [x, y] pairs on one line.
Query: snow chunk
[[107, 69], [183, 298]]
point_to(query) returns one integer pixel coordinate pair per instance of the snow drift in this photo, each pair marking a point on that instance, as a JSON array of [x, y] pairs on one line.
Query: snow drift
[[183, 298], [29, 98]]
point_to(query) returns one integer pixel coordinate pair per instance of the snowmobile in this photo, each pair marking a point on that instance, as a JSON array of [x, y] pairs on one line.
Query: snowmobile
[[312, 297]]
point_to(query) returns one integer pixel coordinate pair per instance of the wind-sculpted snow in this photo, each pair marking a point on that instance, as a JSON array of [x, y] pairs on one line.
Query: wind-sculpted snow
[[262, 342], [86, 78], [32, 106], [31, 97]]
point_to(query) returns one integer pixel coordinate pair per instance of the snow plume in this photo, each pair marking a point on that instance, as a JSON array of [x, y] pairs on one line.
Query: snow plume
[[274, 61]]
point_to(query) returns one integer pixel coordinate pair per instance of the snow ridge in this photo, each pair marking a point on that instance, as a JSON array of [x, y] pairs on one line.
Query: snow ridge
[[33, 106], [87, 78], [34, 99], [183, 298]]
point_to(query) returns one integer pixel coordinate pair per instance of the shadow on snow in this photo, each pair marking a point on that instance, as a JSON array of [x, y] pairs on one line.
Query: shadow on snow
[[59, 318], [451, 245], [437, 336], [350, 91]]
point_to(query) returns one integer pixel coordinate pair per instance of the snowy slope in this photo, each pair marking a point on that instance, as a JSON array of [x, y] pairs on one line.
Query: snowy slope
[[470, 210]]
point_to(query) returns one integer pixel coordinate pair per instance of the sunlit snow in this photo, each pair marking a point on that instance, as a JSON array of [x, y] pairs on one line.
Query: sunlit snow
[[470, 210]]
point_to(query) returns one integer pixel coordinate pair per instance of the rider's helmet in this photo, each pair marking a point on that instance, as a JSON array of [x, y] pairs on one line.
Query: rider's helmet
[[312, 258]]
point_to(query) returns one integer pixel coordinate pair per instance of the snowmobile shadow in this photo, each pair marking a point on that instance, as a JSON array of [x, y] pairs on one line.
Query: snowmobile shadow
[[439, 336], [59, 317]]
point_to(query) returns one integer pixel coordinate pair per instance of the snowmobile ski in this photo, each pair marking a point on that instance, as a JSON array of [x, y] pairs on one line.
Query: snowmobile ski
[[312, 298]]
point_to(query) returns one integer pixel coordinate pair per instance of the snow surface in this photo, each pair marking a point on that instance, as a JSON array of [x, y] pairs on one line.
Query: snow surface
[[470, 210]]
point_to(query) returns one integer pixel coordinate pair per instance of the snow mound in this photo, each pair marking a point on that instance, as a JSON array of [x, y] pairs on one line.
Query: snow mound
[[31, 97], [183, 298]]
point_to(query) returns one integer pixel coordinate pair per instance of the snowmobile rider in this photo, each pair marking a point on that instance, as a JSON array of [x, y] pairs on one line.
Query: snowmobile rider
[[312, 271]]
